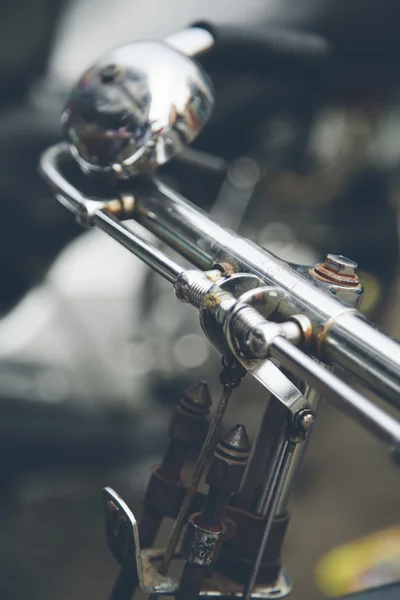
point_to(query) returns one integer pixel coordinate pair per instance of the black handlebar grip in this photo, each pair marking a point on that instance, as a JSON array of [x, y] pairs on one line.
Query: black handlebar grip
[[266, 51]]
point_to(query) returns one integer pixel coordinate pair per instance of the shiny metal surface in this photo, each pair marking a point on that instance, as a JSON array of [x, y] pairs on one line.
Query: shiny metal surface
[[157, 260], [340, 264], [206, 243], [124, 115], [136, 108], [123, 542], [129, 113], [347, 399], [192, 41], [268, 488], [203, 241], [265, 371], [91, 211], [314, 399], [214, 312], [201, 546], [64, 191], [362, 349]]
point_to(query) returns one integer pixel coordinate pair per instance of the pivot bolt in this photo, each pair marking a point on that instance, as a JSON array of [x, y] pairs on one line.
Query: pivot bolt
[[304, 420]]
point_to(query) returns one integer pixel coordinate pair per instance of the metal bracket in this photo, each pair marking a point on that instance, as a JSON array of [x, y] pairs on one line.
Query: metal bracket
[[266, 300], [215, 312], [219, 300], [123, 543]]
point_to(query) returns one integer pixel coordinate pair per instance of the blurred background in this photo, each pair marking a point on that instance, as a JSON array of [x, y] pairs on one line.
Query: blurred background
[[95, 351]]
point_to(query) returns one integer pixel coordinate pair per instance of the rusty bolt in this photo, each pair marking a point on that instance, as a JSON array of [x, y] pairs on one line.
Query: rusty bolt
[[340, 264], [337, 269], [229, 460]]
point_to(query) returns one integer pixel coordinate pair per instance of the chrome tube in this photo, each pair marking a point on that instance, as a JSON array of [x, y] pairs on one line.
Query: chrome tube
[[344, 335], [262, 458], [347, 399], [359, 347], [269, 506], [158, 261]]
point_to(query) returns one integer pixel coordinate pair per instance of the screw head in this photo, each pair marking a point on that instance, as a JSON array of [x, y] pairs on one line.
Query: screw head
[[110, 73], [305, 420], [340, 264]]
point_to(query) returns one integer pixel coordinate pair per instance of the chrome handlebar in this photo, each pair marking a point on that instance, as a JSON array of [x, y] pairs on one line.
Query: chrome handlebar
[[335, 332], [126, 116]]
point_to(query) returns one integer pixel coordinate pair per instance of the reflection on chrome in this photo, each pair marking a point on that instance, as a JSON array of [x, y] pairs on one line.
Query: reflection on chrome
[[136, 108]]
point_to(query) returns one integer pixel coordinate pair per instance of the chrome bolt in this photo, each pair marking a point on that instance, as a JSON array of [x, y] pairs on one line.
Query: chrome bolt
[[340, 264], [305, 420]]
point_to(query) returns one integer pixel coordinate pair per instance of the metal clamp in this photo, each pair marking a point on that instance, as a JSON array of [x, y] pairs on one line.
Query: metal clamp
[[201, 546], [267, 299]]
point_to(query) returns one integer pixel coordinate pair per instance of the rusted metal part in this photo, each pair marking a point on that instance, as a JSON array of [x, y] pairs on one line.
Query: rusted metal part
[[226, 268], [214, 275], [152, 580], [165, 491], [163, 496], [306, 329], [206, 530], [140, 567], [338, 269], [338, 273], [340, 264], [122, 207], [215, 585], [237, 554], [201, 546], [231, 376], [324, 274]]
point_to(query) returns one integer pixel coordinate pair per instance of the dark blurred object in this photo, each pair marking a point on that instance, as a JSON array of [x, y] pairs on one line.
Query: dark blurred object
[[43, 426], [364, 33], [267, 51], [26, 35], [33, 228]]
